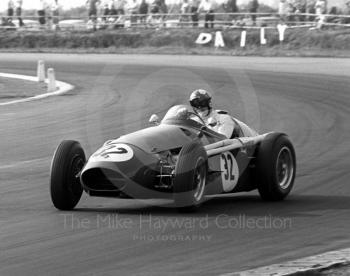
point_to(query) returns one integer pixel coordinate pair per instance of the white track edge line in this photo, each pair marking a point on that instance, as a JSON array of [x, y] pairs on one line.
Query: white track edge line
[[312, 263], [63, 87]]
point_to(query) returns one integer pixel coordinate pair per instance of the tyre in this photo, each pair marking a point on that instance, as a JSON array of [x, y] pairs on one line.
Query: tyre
[[65, 187], [190, 177], [276, 167]]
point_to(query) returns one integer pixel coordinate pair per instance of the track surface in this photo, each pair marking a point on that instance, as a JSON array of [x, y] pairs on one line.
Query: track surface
[[307, 98]]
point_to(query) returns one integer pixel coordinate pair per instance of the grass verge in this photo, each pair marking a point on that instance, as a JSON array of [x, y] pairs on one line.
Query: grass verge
[[298, 42], [13, 89]]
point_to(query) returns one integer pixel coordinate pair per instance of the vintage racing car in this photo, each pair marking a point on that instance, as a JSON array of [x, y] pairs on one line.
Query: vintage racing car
[[177, 158]]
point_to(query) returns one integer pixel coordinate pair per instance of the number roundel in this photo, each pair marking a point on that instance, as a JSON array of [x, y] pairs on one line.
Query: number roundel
[[229, 171], [113, 153]]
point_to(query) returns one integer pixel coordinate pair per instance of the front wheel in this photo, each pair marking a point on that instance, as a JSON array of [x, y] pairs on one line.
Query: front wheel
[[190, 177], [65, 186], [276, 167]]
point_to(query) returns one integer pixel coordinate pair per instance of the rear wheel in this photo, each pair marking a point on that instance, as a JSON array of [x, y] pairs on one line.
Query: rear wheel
[[190, 177], [276, 167], [65, 187]]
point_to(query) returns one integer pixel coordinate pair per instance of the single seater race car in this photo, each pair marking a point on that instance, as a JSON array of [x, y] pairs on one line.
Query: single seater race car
[[178, 158]]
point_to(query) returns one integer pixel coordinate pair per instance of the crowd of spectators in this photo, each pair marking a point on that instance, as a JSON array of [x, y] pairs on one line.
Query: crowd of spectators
[[147, 12], [289, 11], [292, 11], [47, 13], [117, 11], [14, 8], [156, 11]]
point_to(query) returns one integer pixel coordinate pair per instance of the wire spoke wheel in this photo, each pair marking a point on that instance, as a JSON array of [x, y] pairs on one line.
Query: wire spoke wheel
[[190, 177], [276, 167], [284, 168], [76, 167], [199, 180]]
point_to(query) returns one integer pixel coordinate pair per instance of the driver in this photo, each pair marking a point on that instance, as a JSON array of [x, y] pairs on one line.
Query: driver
[[217, 121]]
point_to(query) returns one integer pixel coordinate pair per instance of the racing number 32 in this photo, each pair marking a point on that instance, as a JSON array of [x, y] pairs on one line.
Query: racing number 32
[[228, 166], [229, 170]]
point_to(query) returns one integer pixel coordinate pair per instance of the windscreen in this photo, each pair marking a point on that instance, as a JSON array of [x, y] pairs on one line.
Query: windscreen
[[178, 112]]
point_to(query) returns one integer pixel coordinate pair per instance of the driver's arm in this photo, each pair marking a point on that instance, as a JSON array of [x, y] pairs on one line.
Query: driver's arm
[[225, 125]]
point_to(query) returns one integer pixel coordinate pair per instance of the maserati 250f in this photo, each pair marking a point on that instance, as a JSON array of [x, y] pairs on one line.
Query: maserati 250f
[[178, 158]]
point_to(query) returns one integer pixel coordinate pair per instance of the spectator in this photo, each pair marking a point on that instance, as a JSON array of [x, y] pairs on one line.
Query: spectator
[[111, 7], [42, 12], [185, 7], [92, 5], [19, 4], [207, 7], [153, 18], [143, 10], [231, 7], [346, 20], [163, 7], [49, 15], [185, 10], [52, 14], [112, 13], [194, 12], [155, 7], [10, 10], [5, 22], [321, 7], [253, 8], [55, 15], [300, 8], [310, 9], [120, 6], [290, 11], [117, 11], [283, 10], [156, 18], [106, 12], [334, 19], [333, 10], [132, 10]]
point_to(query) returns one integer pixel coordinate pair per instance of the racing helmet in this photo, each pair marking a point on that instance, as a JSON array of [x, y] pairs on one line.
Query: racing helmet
[[200, 99]]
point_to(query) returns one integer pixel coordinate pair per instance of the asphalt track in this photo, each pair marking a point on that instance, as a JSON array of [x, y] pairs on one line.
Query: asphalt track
[[307, 98]]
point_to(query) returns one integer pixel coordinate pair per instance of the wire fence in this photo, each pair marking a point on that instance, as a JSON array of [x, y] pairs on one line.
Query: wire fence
[[177, 20]]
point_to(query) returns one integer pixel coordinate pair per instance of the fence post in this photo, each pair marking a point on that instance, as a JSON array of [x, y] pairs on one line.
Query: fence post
[[281, 29], [243, 38], [51, 86], [262, 36], [41, 71]]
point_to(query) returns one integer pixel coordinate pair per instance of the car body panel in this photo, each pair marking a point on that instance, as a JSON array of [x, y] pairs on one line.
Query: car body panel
[[134, 164], [157, 138]]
